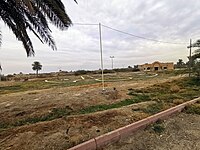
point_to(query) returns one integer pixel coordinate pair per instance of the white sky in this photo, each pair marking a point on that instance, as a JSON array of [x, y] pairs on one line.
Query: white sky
[[78, 47]]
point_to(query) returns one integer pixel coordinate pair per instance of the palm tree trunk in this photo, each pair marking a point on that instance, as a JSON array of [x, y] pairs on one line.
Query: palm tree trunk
[[37, 73]]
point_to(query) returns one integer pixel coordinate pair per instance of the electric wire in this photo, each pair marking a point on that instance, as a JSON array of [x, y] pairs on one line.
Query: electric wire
[[86, 24], [141, 37], [130, 34]]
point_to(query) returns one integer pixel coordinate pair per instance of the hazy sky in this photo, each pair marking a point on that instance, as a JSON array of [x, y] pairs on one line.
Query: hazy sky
[[78, 47]]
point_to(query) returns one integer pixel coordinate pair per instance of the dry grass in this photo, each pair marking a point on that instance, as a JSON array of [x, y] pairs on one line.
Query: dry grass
[[174, 89], [93, 113]]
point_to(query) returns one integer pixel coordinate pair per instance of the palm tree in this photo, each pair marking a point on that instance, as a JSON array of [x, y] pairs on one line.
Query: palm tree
[[195, 62], [196, 54], [36, 66], [180, 63], [23, 15]]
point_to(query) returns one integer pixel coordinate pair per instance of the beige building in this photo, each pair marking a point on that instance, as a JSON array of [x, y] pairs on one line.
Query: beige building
[[156, 66]]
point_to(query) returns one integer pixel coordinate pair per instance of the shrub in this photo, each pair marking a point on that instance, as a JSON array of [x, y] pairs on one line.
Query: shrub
[[174, 89], [154, 108], [192, 109], [81, 72], [3, 78], [178, 101], [158, 127]]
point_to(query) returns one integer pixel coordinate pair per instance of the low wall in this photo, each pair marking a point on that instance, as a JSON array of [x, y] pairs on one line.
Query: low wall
[[128, 130]]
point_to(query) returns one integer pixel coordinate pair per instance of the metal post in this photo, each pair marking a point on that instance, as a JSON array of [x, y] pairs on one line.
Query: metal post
[[0, 74], [101, 50], [112, 57], [112, 63], [190, 62]]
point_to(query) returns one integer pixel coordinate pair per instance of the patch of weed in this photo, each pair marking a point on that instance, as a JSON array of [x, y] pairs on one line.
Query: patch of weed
[[168, 98], [38, 85], [54, 114], [91, 109], [190, 94], [183, 89], [154, 108], [192, 109], [7, 89], [190, 82], [3, 126], [158, 127]]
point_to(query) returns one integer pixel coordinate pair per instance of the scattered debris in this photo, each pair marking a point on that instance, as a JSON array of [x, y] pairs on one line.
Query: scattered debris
[[66, 79]]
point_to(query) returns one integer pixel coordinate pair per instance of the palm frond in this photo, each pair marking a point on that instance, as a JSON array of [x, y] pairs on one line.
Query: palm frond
[[23, 15], [55, 11], [0, 38], [15, 20]]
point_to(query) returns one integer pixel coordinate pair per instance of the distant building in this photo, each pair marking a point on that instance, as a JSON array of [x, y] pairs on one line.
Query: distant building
[[156, 66]]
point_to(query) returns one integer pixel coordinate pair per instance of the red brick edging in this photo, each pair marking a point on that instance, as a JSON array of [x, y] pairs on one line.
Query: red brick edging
[[125, 131]]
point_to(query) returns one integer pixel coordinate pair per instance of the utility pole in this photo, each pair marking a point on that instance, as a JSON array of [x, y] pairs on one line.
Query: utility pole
[[101, 50], [0, 75], [190, 61], [112, 57]]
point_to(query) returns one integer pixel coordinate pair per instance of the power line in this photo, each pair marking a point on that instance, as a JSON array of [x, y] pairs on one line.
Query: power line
[[130, 34], [141, 37], [86, 24]]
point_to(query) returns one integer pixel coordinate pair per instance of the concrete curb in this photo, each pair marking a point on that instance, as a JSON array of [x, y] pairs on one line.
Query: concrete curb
[[128, 130]]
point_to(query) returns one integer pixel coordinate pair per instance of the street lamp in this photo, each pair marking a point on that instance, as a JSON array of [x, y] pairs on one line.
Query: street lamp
[[112, 57]]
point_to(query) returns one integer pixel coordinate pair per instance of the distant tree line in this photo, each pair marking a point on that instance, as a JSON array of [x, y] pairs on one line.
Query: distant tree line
[[129, 69]]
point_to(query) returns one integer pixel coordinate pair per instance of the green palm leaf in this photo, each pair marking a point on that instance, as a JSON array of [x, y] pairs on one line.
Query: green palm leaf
[[23, 15]]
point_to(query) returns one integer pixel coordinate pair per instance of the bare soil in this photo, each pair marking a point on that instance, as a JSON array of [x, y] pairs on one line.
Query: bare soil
[[181, 132], [68, 131]]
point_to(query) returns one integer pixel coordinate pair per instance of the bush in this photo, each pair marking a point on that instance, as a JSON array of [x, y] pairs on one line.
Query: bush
[[154, 108], [3, 78], [81, 72], [126, 69], [10, 75], [108, 71], [192, 109], [174, 89], [158, 127]]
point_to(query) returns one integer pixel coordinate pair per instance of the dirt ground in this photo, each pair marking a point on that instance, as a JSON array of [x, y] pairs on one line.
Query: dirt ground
[[68, 131], [38, 102], [181, 132]]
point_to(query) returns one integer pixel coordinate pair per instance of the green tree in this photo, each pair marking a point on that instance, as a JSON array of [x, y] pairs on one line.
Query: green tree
[[36, 66], [180, 64], [196, 62], [195, 58], [196, 54], [33, 15], [196, 69]]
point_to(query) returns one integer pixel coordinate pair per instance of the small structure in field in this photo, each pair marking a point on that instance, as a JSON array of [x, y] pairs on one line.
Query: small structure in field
[[156, 66]]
